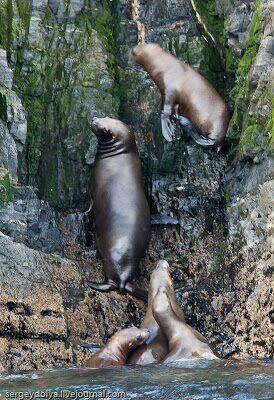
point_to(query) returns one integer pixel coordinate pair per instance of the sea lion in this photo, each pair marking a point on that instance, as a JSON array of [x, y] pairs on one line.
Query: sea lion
[[187, 97], [115, 352], [184, 342], [157, 346], [120, 209]]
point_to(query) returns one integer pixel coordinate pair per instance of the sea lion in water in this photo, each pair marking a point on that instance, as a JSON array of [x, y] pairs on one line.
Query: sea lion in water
[[115, 352], [120, 208], [157, 347], [187, 97], [184, 342]]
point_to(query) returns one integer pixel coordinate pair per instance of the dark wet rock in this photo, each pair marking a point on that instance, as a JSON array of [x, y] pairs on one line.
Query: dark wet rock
[[6, 74], [13, 122]]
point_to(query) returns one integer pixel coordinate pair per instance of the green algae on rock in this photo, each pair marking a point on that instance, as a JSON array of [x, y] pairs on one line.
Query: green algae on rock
[[242, 92], [5, 187]]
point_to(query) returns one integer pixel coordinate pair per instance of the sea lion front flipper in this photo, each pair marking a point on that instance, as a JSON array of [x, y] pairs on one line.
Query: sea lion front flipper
[[167, 116], [168, 128], [103, 287], [89, 208], [194, 133], [136, 292]]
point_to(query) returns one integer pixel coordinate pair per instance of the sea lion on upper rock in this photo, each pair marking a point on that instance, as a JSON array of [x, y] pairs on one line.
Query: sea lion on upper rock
[[184, 342], [187, 97], [157, 346], [120, 208], [115, 352]]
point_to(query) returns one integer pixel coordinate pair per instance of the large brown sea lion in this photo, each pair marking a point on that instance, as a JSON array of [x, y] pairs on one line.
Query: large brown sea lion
[[157, 346], [116, 350], [187, 97], [120, 208], [184, 342]]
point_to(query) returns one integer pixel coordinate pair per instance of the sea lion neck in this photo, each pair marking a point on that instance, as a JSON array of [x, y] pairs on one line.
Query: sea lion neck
[[115, 147], [117, 349]]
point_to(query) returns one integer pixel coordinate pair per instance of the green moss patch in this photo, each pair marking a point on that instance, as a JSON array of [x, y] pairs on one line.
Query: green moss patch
[[270, 123], [213, 22], [244, 127], [5, 187], [249, 139], [251, 50]]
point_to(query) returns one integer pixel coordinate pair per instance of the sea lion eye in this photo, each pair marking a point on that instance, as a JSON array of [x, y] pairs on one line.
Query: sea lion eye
[[139, 337]]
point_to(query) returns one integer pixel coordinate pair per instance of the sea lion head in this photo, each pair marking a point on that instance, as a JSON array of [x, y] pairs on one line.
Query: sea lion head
[[134, 337], [143, 50], [160, 278], [110, 131]]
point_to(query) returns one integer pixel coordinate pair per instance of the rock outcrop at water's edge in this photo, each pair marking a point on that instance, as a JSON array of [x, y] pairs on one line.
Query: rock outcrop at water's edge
[[62, 62]]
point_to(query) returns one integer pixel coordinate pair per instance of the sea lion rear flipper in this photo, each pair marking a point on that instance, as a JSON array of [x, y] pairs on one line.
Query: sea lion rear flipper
[[93, 348], [103, 287], [136, 292], [194, 133], [160, 219]]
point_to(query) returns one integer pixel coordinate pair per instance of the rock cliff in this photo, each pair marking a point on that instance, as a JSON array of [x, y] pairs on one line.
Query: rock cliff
[[63, 61]]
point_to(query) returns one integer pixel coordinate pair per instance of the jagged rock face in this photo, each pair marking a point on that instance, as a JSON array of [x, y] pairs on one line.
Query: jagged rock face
[[68, 61], [13, 123], [45, 309], [63, 73]]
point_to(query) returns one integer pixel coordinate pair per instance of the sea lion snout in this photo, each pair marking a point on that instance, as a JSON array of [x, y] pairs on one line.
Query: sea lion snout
[[97, 124], [141, 48], [160, 277], [139, 336], [110, 129], [161, 269], [142, 337], [101, 128], [135, 51], [162, 264], [94, 125]]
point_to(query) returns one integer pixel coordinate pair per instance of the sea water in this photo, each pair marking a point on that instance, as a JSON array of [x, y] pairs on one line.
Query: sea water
[[189, 380]]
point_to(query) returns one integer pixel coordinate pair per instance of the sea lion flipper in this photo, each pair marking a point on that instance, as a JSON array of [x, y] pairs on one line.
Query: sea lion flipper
[[195, 134], [93, 348], [168, 127], [136, 292], [167, 116], [103, 287], [161, 219], [89, 208]]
